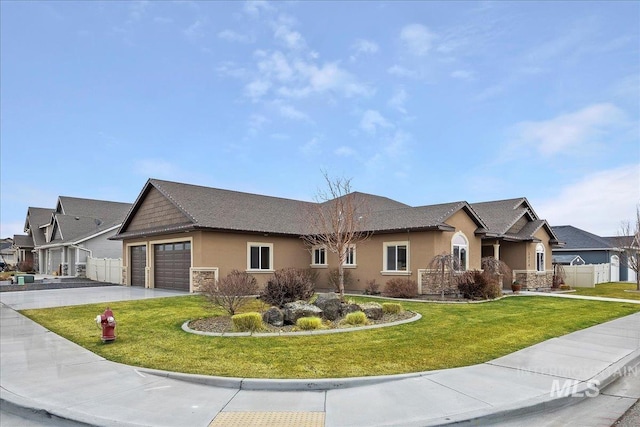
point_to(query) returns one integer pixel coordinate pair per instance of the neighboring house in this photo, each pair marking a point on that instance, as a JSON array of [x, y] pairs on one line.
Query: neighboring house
[[23, 245], [568, 260], [517, 236], [592, 249], [7, 253], [64, 237], [180, 236], [630, 247]]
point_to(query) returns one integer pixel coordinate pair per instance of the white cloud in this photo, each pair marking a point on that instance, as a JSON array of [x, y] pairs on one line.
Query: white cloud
[[462, 74], [372, 121], [399, 71], [398, 99], [328, 78], [312, 147], [257, 89], [156, 168], [255, 7], [232, 36], [345, 151], [598, 203], [569, 131], [283, 33], [256, 123], [230, 69], [290, 112], [276, 65], [417, 39], [195, 31], [363, 47]]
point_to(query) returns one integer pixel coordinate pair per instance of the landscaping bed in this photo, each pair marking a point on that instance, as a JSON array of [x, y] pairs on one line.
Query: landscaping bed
[[223, 324]]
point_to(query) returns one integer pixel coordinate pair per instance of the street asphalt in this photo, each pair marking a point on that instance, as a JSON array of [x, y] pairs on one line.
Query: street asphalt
[[44, 373]]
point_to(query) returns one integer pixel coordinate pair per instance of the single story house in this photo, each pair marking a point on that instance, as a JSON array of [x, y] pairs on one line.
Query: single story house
[[179, 236], [63, 238], [8, 255], [592, 249]]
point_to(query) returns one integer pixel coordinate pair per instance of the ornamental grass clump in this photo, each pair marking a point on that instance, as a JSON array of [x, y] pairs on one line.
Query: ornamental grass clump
[[247, 322], [357, 318], [309, 323], [391, 308]]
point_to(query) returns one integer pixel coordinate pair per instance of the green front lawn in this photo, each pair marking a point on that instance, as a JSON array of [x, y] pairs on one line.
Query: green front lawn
[[448, 335], [610, 290]]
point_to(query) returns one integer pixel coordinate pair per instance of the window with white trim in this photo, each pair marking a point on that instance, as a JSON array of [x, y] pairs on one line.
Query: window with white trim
[[540, 257], [350, 256], [319, 256], [396, 256], [259, 256], [460, 251]]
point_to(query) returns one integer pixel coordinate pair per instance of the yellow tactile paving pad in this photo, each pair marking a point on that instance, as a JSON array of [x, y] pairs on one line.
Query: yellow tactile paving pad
[[268, 419]]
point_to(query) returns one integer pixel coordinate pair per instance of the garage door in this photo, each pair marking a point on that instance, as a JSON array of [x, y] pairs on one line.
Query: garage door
[[171, 265], [138, 264]]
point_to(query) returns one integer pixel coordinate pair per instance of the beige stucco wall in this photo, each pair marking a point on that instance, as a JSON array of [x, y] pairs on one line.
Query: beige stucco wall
[[223, 252]]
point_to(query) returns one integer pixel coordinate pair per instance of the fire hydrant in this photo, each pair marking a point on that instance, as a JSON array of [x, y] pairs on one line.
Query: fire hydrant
[[107, 322]]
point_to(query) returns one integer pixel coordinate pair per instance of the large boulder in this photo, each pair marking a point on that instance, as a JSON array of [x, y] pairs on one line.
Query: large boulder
[[372, 310], [330, 304], [349, 308], [274, 316], [295, 310]]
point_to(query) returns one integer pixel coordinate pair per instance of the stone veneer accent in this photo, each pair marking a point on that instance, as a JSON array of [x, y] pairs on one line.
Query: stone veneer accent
[[203, 276], [430, 280], [534, 279]]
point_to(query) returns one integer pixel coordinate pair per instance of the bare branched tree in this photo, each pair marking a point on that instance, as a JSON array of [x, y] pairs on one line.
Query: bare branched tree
[[445, 266], [337, 221], [628, 241]]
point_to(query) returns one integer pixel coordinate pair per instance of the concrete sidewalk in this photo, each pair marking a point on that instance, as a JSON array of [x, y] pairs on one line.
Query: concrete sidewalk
[[43, 371]]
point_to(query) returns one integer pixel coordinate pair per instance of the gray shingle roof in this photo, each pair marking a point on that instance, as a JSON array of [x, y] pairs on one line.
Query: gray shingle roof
[[576, 238], [501, 215], [214, 208], [22, 241]]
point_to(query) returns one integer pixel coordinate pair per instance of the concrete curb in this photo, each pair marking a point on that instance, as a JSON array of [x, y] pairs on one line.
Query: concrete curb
[[266, 384]]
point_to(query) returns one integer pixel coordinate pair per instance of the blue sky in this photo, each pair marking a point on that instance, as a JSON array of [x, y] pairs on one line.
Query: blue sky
[[422, 102]]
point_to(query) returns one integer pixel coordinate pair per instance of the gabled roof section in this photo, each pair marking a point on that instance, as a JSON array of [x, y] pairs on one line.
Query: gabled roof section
[[217, 209], [501, 215], [432, 217], [36, 218], [374, 203], [577, 239]]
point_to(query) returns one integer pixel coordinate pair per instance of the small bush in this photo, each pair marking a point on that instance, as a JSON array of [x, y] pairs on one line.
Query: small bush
[[565, 287], [391, 308], [231, 292], [288, 285], [357, 318], [309, 323], [247, 322], [401, 288], [478, 285], [373, 288]]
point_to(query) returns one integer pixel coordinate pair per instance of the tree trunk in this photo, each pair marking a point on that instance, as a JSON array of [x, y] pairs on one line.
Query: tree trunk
[[341, 280]]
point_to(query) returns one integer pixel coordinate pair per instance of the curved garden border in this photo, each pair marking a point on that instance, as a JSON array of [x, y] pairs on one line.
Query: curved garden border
[[186, 328]]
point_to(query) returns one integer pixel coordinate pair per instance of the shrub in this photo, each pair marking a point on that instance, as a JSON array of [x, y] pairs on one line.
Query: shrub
[[565, 287], [401, 288], [334, 279], [247, 322], [475, 285], [231, 292], [373, 288], [357, 318], [391, 308], [288, 285], [309, 323]]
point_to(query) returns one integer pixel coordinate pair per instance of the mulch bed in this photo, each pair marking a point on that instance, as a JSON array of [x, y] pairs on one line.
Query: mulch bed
[[223, 324]]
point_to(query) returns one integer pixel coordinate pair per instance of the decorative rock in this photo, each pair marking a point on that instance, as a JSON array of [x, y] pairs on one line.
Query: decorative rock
[[295, 310], [273, 316], [330, 304], [372, 310], [349, 308]]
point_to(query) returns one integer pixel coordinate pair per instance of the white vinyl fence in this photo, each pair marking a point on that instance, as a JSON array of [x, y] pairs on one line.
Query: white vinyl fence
[[587, 276], [105, 270]]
